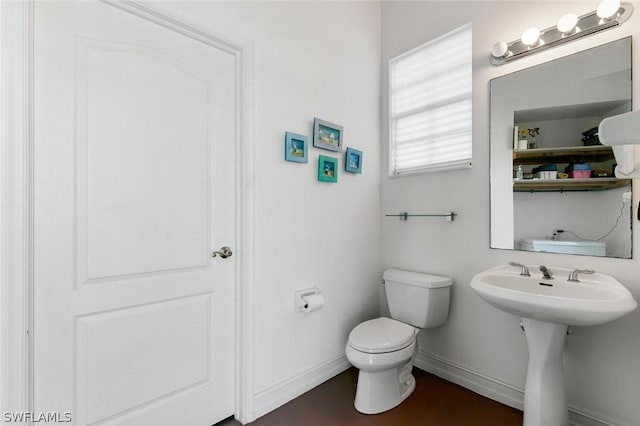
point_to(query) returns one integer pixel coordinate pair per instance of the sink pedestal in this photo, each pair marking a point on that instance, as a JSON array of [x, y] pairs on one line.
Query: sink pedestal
[[544, 400], [594, 300]]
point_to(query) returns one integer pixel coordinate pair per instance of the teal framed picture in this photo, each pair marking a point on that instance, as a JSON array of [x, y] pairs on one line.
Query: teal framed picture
[[353, 161], [327, 169], [295, 147]]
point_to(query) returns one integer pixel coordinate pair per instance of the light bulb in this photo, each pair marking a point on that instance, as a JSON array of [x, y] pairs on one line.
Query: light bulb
[[530, 36], [608, 9], [500, 49], [567, 23]]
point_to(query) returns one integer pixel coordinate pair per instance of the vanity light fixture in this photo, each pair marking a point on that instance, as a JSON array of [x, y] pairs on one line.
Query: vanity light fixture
[[608, 9], [609, 14], [500, 50], [531, 37], [568, 23]]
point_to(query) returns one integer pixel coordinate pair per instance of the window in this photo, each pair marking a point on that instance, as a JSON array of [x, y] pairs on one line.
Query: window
[[430, 106]]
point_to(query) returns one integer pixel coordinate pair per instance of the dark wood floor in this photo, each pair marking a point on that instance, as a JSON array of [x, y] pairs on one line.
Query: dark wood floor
[[435, 402]]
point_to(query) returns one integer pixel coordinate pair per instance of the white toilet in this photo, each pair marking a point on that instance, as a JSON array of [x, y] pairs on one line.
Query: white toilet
[[383, 349]]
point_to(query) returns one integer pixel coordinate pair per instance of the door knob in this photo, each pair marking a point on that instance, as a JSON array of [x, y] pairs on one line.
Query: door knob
[[224, 252]]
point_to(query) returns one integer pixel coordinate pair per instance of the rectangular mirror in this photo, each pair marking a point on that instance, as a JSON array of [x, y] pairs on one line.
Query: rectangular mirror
[[552, 183]]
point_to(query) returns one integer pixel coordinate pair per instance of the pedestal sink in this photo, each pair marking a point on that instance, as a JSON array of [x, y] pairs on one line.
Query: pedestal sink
[[547, 307]]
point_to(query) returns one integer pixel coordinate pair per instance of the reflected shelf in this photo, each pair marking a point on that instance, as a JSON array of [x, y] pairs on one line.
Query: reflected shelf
[[574, 154], [566, 185]]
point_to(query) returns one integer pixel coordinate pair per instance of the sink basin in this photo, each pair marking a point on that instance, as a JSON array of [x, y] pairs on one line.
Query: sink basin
[[547, 308], [596, 299]]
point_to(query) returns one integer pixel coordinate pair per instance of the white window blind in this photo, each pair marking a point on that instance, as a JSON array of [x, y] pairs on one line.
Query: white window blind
[[430, 106]]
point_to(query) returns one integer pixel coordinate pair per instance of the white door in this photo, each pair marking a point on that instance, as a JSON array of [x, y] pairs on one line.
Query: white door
[[134, 188]]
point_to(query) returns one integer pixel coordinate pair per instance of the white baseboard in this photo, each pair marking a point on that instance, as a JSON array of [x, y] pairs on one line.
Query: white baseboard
[[493, 389], [579, 417], [283, 392], [480, 384]]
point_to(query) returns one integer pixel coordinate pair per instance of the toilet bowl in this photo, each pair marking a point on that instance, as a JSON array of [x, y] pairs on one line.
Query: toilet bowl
[[385, 359], [383, 349]]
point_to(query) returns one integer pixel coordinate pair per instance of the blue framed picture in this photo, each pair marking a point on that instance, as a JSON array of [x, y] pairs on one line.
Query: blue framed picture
[[353, 161], [296, 147]]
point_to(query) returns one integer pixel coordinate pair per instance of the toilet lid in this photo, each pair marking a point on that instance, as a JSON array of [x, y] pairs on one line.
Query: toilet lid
[[381, 335]]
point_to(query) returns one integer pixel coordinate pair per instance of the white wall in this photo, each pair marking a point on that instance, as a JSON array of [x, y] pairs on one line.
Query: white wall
[[310, 59], [602, 364]]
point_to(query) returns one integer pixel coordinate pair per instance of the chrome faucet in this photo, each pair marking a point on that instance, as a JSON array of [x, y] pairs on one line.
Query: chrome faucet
[[573, 275], [524, 271], [546, 272]]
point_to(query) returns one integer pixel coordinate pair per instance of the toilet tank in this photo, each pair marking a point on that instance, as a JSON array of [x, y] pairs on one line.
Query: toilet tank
[[421, 300]]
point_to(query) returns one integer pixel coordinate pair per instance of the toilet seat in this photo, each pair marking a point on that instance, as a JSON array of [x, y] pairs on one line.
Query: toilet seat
[[381, 335]]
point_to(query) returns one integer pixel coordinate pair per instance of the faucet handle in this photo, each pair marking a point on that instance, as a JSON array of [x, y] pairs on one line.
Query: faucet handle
[[546, 272], [573, 275], [524, 271]]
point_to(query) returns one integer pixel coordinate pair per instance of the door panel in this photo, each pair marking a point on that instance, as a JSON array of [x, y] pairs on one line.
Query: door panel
[[134, 188], [116, 346], [136, 110]]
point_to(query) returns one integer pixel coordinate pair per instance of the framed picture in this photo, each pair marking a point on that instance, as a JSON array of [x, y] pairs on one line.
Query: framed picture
[[327, 135], [295, 147], [327, 169], [353, 161]]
